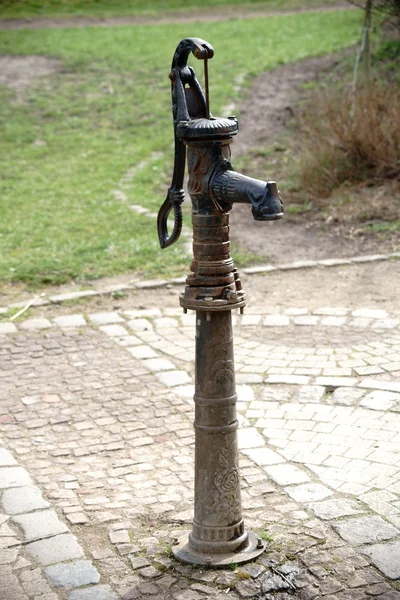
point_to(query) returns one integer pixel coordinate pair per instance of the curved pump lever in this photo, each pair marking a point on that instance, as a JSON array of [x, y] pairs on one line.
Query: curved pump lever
[[187, 103]]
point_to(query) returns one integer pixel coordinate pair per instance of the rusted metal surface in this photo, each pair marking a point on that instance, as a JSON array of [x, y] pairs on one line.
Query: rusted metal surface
[[213, 290]]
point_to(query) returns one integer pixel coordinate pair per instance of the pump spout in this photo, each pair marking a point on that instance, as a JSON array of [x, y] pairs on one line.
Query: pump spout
[[228, 186]]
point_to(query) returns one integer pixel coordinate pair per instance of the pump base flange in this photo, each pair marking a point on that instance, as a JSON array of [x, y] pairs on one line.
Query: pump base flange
[[185, 554], [213, 305]]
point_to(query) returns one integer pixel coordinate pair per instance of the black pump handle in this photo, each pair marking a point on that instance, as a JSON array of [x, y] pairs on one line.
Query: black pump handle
[[187, 103]]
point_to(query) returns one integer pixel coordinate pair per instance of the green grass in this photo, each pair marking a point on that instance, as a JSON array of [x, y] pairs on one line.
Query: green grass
[[264, 535], [385, 226], [66, 143], [10, 9]]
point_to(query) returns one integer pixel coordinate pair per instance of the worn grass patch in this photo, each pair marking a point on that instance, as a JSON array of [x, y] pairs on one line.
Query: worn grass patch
[[79, 149]]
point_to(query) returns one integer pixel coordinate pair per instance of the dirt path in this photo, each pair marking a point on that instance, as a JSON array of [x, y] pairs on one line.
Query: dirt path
[[264, 119], [207, 15]]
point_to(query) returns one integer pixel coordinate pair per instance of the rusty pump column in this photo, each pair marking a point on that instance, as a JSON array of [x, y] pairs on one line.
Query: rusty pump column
[[213, 290]]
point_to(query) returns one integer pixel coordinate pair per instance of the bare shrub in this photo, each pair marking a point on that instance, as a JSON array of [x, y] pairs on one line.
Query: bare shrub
[[344, 147]]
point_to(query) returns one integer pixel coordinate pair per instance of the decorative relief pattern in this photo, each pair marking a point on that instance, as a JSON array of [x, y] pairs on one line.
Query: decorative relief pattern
[[222, 372], [225, 501]]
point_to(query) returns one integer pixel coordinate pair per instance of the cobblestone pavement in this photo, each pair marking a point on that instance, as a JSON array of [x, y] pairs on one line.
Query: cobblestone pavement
[[96, 455]]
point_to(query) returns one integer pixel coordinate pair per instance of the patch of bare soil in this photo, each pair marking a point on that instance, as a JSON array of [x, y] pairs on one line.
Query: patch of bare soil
[[373, 285], [20, 72], [208, 15], [264, 120]]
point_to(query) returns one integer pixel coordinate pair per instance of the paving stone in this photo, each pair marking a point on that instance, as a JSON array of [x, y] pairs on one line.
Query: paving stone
[[259, 269], [151, 283], [334, 262], [143, 352], [11, 589], [102, 553], [50, 398], [263, 456], [185, 391], [140, 325], [333, 321], [143, 313], [248, 437], [56, 549], [207, 576], [330, 586], [98, 592], [150, 573], [6, 458], [385, 557], [139, 562], [385, 324], [148, 588], [337, 507], [380, 400], [158, 364], [380, 385], [200, 587], [173, 378], [331, 311], [300, 264], [8, 556], [28, 400], [73, 296], [370, 313], [70, 321], [361, 322], [288, 379], [247, 588], [344, 396], [369, 258], [78, 518], [308, 492], [106, 318], [273, 582], [245, 393], [306, 320], [365, 530], [187, 595], [119, 537], [128, 340], [312, 394], [249, 320], [33, 324], [276, 321], [39, 524], [165, 323], [226, 579], [23, 499], [286, 474], [336, 382], [114, 330], [7, 328], [74, 574], [294, 312], [252, 569], [13, 477]]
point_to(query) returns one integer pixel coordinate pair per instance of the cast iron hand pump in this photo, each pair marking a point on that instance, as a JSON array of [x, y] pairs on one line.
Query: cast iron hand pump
[[213, 290]]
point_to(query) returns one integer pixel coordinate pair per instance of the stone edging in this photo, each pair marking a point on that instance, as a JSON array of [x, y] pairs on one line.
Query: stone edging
[[46, 539], [159, 283], [360, 318]]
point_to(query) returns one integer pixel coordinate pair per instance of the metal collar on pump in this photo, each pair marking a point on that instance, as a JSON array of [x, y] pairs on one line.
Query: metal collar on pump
[[210, 129]]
